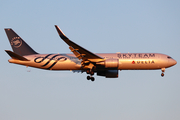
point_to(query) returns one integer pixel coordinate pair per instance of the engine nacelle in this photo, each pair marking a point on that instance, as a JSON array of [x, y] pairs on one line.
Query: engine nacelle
[[110, 63], [108, 73]]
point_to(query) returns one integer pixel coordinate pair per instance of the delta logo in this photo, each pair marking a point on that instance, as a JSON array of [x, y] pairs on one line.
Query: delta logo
[[143, 62]]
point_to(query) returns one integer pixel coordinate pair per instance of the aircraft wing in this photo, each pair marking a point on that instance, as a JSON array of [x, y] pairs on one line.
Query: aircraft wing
[[79, 52]]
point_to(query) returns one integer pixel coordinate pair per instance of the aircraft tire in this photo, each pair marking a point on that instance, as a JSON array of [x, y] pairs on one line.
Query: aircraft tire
[[92, 72], [88, 77], [88, 71], [162, 74], [92, 78]]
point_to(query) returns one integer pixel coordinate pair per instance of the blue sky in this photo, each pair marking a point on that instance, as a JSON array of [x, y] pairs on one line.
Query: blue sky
[[99, 26]]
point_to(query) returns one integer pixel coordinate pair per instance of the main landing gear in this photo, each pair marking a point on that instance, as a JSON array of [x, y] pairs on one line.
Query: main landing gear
[[91, 72], [163, 70], [90, 78]]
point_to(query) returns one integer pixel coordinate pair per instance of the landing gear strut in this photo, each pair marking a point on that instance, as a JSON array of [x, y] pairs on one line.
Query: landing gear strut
[[163, 70], [91, 72]]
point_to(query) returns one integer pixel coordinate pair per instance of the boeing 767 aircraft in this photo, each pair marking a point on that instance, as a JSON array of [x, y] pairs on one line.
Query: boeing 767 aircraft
[[104, 64]]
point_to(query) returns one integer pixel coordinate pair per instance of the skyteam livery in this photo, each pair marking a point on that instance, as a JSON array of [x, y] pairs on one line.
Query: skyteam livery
[[104, 64]]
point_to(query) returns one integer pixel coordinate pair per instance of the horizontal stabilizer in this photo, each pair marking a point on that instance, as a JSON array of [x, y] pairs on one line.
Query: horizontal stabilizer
[[15, 56]]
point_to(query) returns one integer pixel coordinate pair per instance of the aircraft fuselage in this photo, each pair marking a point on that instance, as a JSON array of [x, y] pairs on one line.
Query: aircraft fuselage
[[126, 61]]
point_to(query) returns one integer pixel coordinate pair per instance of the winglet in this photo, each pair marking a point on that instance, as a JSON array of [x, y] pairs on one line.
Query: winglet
[[15, 56], [61, 34]]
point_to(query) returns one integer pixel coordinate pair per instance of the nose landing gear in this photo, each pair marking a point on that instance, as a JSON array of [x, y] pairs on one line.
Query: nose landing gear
[[162, 74], [163, 70]]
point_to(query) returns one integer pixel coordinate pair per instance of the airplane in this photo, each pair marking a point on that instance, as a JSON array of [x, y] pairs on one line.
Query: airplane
[[82, 60]]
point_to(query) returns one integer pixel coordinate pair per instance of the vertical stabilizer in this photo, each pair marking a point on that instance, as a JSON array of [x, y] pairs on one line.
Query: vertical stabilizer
[[18, 45]]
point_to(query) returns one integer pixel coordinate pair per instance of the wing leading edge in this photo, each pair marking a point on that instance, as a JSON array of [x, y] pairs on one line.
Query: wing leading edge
[[80, 52]]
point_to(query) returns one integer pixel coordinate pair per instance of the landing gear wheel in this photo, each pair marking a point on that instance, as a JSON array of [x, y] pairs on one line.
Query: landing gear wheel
[[92, 79], [163, 70], [88, 77], [162, 74], [88, 71], [92, 72]]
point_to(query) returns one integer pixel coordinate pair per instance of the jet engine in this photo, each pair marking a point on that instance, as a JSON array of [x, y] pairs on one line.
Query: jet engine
[[110, 63], [108, 73]]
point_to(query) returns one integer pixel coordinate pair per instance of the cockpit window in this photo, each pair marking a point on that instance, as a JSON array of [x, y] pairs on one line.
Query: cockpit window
[[169, 57]]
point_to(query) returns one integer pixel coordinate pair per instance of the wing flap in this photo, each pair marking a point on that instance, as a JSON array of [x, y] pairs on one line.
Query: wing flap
[[76, 53]]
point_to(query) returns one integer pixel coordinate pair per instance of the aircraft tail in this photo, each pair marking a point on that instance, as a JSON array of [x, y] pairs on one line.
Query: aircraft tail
[[18, 45]]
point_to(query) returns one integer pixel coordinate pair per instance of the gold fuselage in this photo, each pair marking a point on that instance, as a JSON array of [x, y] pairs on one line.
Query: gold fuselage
[[127, 61]]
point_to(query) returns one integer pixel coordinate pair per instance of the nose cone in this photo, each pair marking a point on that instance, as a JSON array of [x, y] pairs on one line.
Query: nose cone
[[173, 62]]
